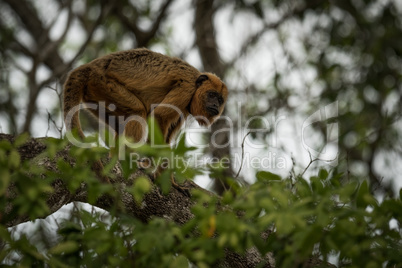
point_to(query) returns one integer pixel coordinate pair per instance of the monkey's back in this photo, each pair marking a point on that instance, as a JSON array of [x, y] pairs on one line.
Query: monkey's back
[[141, 71]]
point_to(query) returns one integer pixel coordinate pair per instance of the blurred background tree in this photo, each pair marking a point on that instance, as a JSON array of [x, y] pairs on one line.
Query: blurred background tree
[[282, 60], [315, 92]]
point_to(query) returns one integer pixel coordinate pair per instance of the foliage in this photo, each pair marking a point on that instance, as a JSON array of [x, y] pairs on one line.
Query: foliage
[[284, 58], [293, 218], [346, 53]]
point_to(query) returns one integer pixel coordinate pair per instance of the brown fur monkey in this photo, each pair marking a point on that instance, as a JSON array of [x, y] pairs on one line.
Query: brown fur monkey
[[140, 82]]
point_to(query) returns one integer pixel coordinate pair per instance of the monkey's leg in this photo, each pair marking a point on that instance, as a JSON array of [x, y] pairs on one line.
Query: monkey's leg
[[119, 104], [125, 113]]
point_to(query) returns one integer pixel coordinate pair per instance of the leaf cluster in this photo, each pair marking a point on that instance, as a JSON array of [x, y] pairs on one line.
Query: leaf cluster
[[291, 218]]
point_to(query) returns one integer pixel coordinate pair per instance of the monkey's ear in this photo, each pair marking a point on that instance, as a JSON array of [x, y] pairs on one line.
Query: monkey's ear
[[200, 80]]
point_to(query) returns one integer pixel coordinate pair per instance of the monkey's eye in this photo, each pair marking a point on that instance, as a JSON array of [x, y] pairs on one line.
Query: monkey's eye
[[220, 99], [211, 94]]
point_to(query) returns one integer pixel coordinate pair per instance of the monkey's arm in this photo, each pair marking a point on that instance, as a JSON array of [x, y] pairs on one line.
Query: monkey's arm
[[172, 111]]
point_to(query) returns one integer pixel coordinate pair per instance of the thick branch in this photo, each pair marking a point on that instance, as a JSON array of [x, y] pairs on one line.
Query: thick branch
[[175, 206]]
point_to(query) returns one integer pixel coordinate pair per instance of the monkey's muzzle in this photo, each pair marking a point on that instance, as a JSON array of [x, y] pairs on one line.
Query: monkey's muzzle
[[212, 110]]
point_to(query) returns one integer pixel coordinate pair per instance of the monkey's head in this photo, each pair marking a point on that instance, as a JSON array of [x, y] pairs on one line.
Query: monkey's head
[[209, 99]]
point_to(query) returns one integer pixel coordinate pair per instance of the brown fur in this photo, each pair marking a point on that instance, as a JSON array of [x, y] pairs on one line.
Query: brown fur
[[136, 79]]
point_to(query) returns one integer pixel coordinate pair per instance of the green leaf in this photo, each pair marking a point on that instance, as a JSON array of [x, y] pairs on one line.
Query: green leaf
[[308, 238], [21, 139], [154, 132], [110, 165], [362, 192], [181, 145], [303, 187], [267, 176], [140, 188], [64, 247], [5, 145], [165, 182], [335, 180], [128, 167], [323, 174], [4, 180], [180, 262], [14, 159], [317, 184], [227, 197], [5, 234], [181, 148], [284, 224]]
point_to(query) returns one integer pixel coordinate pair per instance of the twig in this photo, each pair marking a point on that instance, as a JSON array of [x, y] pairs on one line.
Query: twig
[[267, 26], [59, 95], [50, 119], [316, 159], [51, 47], [242, 154], [62, 69]]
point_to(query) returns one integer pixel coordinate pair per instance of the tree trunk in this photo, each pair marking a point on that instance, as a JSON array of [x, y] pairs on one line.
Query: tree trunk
[[206, 43]]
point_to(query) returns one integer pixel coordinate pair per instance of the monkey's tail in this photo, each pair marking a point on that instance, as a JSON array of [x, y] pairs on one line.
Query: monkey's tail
[[74, 88]]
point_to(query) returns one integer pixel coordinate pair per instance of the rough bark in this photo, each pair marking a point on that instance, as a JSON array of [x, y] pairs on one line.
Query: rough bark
[[174, 206]]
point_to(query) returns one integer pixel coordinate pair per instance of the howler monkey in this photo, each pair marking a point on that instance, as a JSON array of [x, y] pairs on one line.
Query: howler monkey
[[142, 82], [139, 83]]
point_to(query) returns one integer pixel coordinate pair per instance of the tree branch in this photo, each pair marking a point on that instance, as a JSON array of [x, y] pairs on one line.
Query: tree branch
[[174, 206], [162, 13], [29, 17], [142, 37]]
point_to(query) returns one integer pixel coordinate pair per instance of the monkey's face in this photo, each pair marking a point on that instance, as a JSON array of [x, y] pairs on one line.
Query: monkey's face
[[209, 99], [213, 103]]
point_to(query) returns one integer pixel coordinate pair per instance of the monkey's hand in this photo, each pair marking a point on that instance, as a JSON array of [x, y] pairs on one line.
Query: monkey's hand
[[183, 189]]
